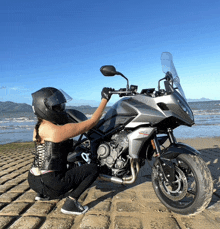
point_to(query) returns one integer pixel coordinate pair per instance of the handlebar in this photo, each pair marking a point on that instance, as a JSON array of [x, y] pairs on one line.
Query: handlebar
[[125, 91], [120, 92]]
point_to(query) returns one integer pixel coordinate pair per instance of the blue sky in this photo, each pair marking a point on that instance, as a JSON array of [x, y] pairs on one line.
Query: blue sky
[[63, 44]]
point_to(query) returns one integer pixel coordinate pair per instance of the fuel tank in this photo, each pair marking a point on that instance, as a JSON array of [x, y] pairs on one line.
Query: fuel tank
[[130, 111]]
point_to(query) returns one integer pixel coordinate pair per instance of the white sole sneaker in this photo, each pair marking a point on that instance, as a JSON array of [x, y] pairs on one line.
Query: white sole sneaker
[[75, 213]]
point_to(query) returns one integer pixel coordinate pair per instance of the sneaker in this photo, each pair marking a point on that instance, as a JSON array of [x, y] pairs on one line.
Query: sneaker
[[73, 207], [41, 197]]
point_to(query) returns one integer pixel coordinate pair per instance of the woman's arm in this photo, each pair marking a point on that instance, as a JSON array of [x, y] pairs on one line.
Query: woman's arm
[[70, 130]]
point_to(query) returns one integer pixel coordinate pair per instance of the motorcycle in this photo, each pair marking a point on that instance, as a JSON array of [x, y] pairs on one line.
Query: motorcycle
[[135, 129]]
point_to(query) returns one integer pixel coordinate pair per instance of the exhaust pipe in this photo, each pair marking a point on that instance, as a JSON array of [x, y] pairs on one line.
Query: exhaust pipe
[[108, 178], [125, 180]]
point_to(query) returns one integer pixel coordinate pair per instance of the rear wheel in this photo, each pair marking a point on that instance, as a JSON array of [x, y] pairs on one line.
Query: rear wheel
[[192, 189]]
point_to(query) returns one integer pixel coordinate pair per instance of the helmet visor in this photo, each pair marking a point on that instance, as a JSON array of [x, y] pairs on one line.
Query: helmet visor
[[59, 97]]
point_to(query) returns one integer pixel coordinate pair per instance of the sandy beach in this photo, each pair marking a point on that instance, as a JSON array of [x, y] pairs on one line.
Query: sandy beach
[[111, 206]]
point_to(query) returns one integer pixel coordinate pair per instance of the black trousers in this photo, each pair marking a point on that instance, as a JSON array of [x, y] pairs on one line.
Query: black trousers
[[58, 184]]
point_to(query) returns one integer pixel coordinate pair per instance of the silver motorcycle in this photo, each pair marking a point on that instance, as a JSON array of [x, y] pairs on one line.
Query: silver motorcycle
[[135, 130]]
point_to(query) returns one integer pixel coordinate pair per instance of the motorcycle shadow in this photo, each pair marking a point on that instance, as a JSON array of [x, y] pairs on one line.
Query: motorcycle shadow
[[102, 191]]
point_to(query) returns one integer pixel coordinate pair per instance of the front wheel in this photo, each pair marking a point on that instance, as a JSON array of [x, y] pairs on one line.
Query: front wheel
[[191, 191]]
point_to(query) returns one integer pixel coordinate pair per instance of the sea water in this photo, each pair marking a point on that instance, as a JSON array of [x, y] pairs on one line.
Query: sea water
[[18, 127], [207, 121]]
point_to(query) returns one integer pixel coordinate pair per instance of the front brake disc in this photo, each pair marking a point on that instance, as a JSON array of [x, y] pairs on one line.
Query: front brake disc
[[181, 186]]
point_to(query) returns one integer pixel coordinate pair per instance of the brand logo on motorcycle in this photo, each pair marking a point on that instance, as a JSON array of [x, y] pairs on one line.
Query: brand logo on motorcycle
[[143, 133]]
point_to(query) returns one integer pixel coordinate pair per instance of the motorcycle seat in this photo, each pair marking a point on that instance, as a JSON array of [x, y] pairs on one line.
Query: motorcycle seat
[[76, 116]]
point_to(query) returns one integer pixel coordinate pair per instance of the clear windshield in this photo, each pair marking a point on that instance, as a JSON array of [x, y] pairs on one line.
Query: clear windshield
[[167, 65]]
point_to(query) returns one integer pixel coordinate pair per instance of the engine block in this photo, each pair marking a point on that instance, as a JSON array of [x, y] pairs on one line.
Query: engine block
[[114, 153]]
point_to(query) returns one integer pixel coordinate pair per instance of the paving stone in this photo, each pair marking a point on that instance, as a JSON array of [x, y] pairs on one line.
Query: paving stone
[[5, 220], [150, 196], [130, 195], [3, 172], [60, 223], [108, 186], [215, 208], [26, 222], [16, 180], [126, 207], [156, 207], [5, 187], [25, 182], [8, 197], [217, 219], [24, 175], [14, 209], [83, 196], [101, 206], [13, 182], [40, 209], [2, 205], [20, 188], [24, 169], [161, 223], [27, 197], [112, 205], [127, 222], [200, 221], [10, 169], [56, 212], [9, 164], [95, 194], [4, 179], [95, 222], [144, 187]]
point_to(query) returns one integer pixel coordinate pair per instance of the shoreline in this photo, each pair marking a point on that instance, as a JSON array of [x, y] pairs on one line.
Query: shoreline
[[178, 139]]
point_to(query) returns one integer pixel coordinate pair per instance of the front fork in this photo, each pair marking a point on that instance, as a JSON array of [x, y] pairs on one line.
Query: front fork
[[165, 168]]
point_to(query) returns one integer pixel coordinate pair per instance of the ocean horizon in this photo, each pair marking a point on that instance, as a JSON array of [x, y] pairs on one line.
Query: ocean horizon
[[19, 126]]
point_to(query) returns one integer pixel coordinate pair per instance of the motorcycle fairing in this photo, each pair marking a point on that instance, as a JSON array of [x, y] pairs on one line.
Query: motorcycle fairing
[[155, 110], [137, 139]]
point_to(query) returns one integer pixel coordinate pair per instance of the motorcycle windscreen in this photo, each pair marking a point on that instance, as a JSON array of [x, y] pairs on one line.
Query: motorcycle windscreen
[[168, 66]]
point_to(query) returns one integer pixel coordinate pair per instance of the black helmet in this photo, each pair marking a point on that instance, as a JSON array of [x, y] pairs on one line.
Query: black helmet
[[49, 104]]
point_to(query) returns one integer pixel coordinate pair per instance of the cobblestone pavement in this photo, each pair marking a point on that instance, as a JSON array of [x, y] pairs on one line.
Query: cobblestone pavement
[[111, 206]]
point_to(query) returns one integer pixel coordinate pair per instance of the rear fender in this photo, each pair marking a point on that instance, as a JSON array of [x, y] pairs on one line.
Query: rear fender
[[176, 149]]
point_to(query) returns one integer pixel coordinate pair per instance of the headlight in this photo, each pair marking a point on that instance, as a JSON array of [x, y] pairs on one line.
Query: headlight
[[186, 109]]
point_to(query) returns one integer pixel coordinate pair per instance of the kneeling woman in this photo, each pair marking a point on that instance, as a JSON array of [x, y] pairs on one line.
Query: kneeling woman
[[49, 176]]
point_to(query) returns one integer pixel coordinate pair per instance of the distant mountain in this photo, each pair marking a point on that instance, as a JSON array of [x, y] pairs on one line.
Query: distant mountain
[[199, 100], [85, 109], [14, 107], [23, 107]]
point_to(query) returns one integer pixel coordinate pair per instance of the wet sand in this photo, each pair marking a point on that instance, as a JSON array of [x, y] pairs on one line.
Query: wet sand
[[111, 205]]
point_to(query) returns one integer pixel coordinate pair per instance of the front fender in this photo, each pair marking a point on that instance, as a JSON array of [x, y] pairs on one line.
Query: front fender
[[178, 148]]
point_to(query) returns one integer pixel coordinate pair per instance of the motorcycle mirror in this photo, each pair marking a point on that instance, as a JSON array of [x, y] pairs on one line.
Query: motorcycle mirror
[[108, 70]]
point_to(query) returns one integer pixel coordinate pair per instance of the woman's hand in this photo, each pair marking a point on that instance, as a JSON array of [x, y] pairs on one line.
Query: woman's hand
[[106, 93]]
